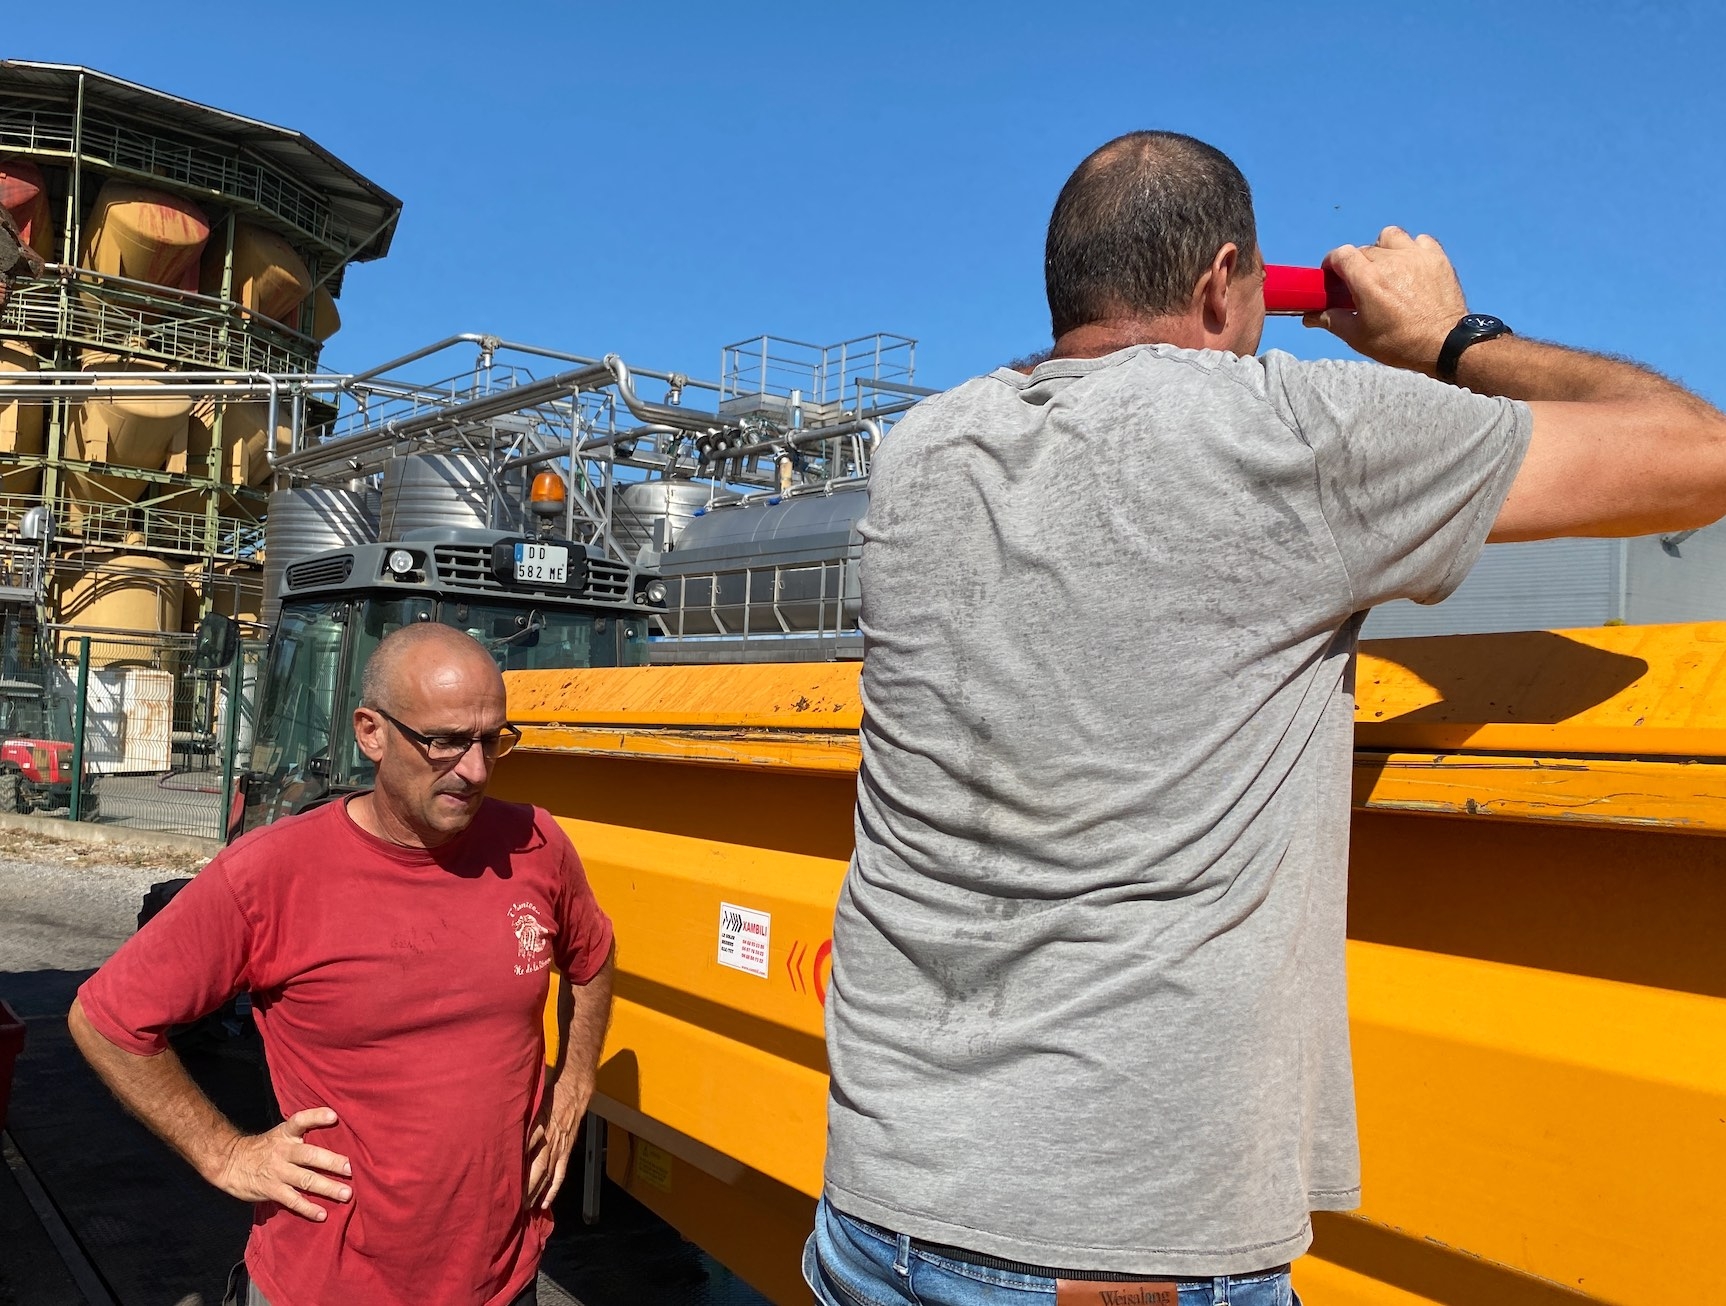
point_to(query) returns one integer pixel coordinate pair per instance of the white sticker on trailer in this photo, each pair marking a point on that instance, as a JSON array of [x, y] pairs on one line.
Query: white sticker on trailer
[[743, 937]]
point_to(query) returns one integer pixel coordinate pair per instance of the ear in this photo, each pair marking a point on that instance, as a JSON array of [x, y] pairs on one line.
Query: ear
[[369, 730], [1214, 287]]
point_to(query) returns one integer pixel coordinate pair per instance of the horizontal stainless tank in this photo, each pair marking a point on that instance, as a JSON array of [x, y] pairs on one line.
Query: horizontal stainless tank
[[308, 519], [449, 489], [770, 566]]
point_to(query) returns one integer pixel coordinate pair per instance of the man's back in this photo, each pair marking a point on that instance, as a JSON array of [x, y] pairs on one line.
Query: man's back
[[1089, 957]]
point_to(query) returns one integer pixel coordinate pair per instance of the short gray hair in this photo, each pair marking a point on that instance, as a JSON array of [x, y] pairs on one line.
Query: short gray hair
[[1138, 223]]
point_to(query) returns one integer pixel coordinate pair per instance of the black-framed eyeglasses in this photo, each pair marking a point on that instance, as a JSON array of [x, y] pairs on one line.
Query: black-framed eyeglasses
[[452, 748]]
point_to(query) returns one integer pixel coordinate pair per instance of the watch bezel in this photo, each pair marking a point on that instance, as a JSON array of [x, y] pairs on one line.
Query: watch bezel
[[1470, 329]]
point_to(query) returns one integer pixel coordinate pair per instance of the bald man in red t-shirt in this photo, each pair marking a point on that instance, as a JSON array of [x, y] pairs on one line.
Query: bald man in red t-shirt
[[397, 946]]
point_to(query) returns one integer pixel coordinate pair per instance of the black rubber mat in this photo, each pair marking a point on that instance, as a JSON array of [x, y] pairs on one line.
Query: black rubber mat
[[155, 1233], [31, 1271]]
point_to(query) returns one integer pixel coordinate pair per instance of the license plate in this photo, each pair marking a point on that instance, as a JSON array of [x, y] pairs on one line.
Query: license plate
[[542, 562]]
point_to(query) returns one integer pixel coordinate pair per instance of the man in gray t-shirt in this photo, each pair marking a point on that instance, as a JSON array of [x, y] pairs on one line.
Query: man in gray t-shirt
[[1087, 1018]]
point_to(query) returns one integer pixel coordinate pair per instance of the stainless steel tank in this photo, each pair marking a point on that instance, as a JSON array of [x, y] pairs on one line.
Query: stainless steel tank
[[652, 514], [449, 489], [769, 567], [308, 519]]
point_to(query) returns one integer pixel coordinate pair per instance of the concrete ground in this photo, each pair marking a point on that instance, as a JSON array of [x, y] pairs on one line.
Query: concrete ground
[[134, 1225]]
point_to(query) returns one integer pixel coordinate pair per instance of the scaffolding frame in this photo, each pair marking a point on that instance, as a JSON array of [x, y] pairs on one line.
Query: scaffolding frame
[[82, 127]]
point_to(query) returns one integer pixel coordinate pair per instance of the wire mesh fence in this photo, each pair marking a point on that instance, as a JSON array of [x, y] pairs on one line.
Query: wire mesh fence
[[130, 730]]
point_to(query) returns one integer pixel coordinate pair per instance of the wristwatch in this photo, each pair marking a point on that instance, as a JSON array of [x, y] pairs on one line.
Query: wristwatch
[[1471, 330]]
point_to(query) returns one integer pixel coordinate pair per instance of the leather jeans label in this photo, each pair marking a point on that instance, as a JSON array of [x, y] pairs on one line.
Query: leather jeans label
[[1085, 1292]]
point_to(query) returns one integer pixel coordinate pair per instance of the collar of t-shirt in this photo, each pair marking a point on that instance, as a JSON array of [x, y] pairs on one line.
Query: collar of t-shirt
[[444, 855], [1067, 368]]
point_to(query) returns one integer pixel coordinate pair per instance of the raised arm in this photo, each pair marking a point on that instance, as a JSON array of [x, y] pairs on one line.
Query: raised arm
[[1616, 449], [278, 1166]]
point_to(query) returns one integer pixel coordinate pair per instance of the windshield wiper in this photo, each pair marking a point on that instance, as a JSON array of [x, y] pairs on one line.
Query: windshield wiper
[[532, 626]]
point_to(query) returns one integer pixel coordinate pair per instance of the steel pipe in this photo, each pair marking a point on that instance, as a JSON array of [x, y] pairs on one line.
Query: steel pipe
[[473, 412], [111, 384], [797, 439], [683, 419], [588, 445]]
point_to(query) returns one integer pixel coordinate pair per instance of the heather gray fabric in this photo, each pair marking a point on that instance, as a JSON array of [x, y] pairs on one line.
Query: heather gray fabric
[[1087, 1004]]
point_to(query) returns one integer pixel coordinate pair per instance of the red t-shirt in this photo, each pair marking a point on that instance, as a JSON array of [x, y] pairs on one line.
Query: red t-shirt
[[404, 989]]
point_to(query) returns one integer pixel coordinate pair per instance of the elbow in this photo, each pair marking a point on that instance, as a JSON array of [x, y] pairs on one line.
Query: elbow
[[103, 1054], [1691, 471], [1715, 456], [78, 1026], [1706, 503], [1704, 515], [85, 1036]]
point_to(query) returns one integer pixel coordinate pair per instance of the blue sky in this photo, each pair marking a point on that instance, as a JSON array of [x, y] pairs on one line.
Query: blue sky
[[661, 179]]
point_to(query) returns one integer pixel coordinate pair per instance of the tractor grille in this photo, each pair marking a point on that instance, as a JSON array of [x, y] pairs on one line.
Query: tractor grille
[[320, 571], [469, 566], [607, 580]]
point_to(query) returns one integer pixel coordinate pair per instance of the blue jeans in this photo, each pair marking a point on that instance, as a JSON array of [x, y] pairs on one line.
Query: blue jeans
[[849, 1263]]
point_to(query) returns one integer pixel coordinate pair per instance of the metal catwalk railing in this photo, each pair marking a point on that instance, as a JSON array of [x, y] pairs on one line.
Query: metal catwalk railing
[[40, 129], [135, 528], [787, 611], [125, 317], [821, 377]]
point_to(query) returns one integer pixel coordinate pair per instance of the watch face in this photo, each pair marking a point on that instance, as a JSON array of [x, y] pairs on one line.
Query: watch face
[[1480, 322]]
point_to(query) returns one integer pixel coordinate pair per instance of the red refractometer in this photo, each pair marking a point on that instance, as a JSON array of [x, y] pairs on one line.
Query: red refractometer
[[1293, 291]]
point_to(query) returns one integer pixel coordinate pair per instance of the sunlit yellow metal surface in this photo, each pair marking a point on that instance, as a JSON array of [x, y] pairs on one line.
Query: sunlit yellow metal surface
[[1537, 899], [1689, 796], [790, 750], [772, 696], [1665, 680]]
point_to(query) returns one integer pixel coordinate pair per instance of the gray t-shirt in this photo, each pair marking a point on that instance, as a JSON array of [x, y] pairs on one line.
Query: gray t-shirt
[[1087, 1005]]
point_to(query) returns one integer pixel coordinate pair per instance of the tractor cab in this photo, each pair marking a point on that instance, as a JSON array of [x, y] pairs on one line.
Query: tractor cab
[[534, 604]]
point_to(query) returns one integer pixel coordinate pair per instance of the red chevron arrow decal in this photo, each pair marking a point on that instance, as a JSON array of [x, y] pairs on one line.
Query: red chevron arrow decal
[[822, 954]]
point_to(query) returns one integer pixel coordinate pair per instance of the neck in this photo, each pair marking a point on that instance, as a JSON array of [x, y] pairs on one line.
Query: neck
[[1094, 339], [379, 818]]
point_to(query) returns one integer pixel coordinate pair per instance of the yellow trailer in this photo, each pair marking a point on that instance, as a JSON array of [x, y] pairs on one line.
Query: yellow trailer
[[1537, 991]]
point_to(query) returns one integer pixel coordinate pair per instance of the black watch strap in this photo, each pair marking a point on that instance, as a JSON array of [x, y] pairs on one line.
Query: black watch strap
[[1471, 330]]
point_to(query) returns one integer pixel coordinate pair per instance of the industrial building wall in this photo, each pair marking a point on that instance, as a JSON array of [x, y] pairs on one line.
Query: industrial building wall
[[1688, 587], [1545, 585]]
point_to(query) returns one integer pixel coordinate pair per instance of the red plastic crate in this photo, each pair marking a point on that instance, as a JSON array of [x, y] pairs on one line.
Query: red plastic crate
[[11, 1044]]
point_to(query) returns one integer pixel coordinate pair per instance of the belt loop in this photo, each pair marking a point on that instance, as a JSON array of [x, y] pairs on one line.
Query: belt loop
[[1220, 1290], [902, 1255]]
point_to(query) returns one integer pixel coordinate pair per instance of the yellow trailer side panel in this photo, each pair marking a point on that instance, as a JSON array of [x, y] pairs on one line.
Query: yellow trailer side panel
[[1537, 894]]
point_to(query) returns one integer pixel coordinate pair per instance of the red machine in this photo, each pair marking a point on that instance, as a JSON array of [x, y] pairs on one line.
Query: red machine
[[40, 762], [35, 767]]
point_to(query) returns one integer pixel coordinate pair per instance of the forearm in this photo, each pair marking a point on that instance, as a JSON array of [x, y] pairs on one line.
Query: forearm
[[160, 1093], [1613, 448], [1513, 367], [584, 1014], [583, 1011]]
